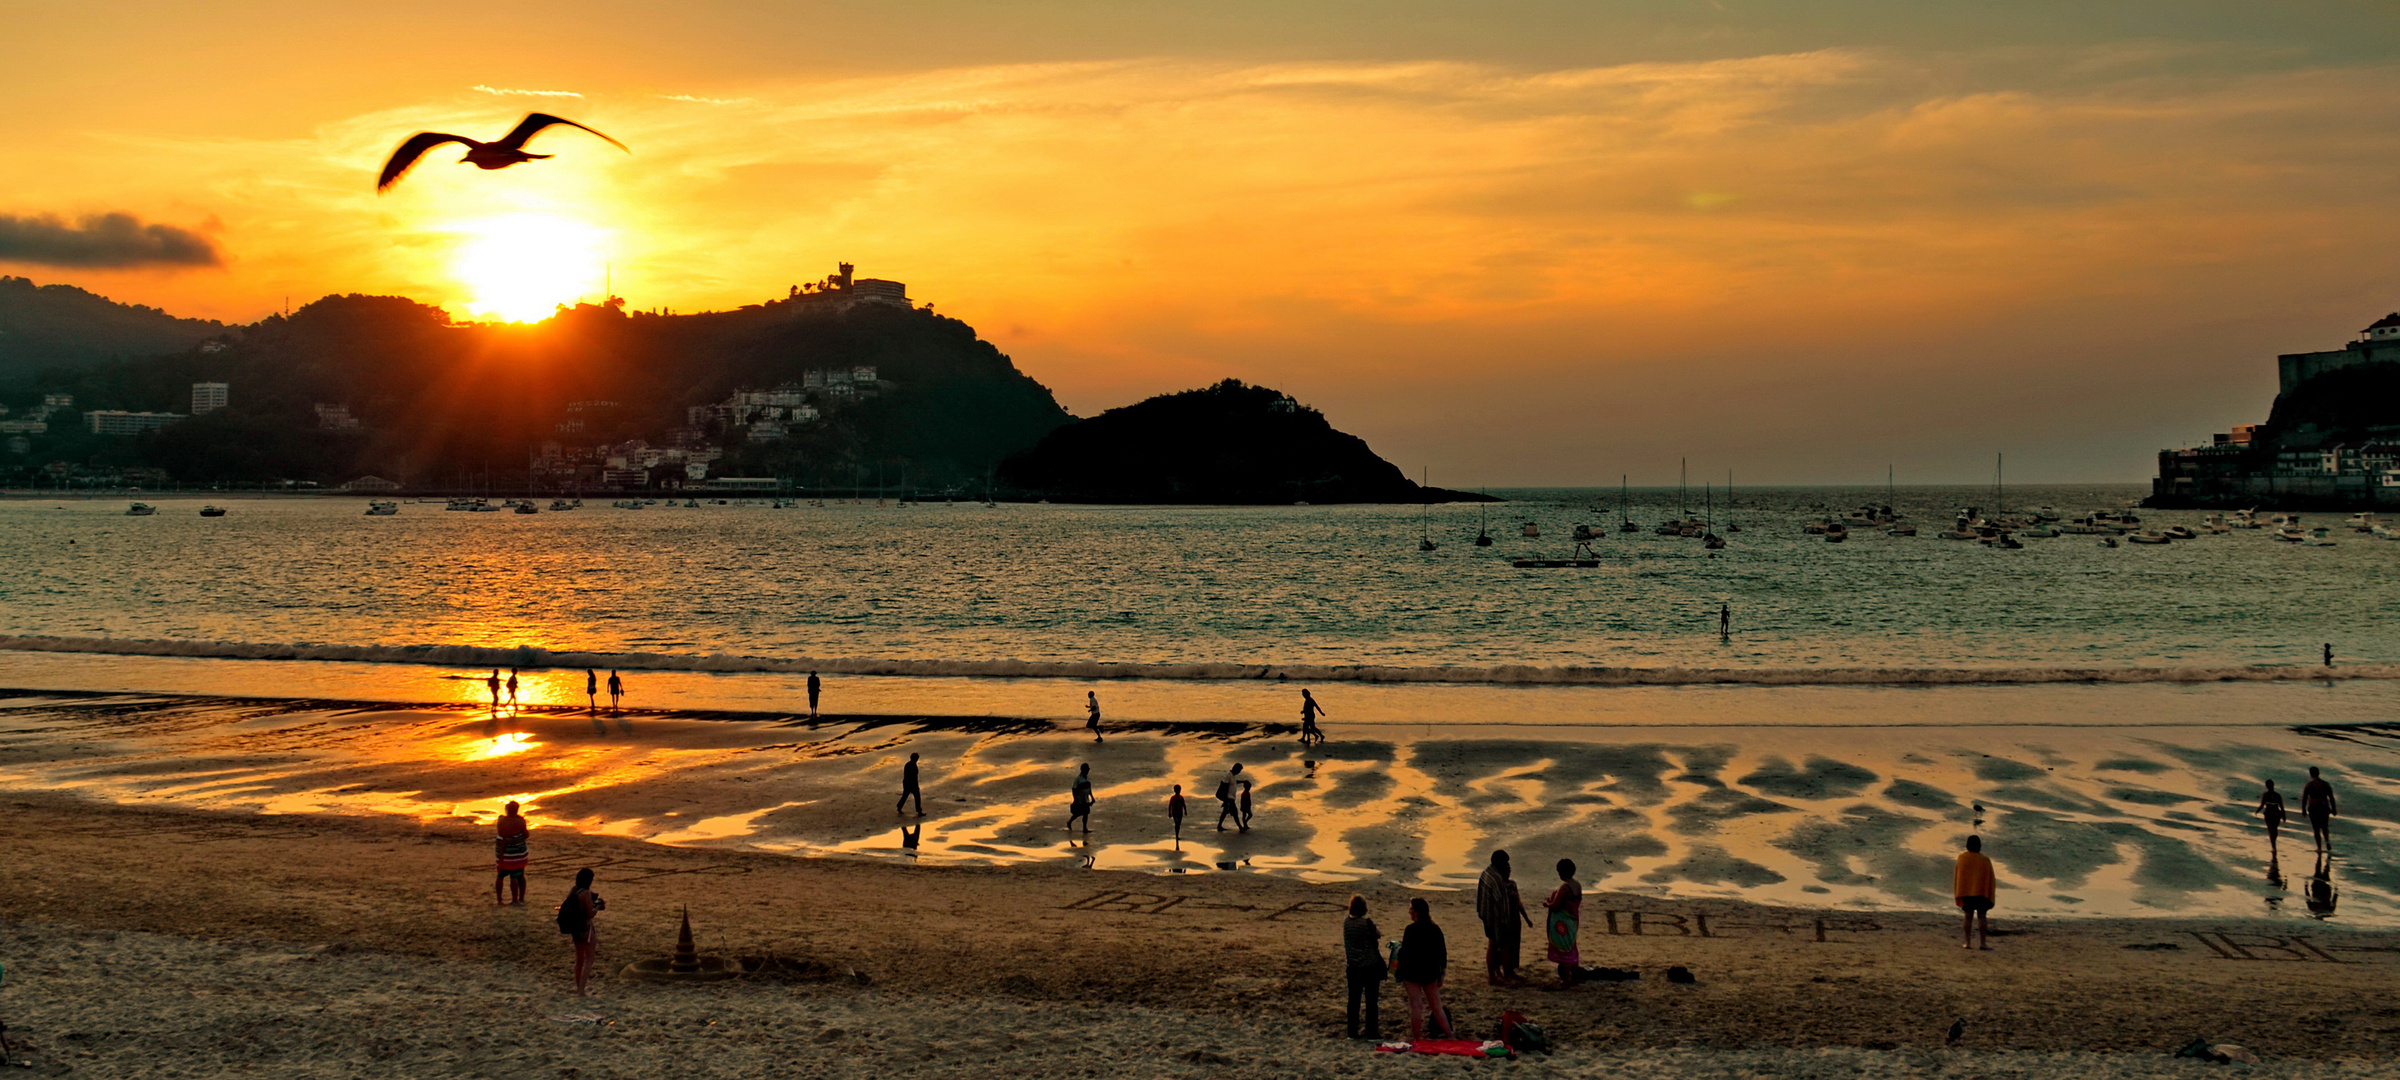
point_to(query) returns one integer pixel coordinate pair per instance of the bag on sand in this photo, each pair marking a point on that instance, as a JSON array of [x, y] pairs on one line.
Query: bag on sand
[[1522, 1035]]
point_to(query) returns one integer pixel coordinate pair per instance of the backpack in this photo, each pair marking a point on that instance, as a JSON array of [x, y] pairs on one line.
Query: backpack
[[1522, 1035], [1224, 791], [572, 917]]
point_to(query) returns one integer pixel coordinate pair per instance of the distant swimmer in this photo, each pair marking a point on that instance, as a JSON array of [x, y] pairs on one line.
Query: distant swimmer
[[1080, 800], [2316, 800], [616, 692], [512, 849], [1975, 890], [591, 691], [816, 686], [2270, 808], [494, 684], [1175, 812], [1226, 808], [1309, 711], [908, 787], [512, 688], [1091, 723]]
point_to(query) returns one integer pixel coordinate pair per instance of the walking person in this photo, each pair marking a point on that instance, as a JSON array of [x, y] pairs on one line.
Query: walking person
[[2316, 800], [1091, 700], [578, 918], [1226, 807], [1724, 621], [816, 686], [2270, 809], [512, 848], [908, 787], [2329, 654], [1309, 711], [1175, 811], [1245, 806], [1362, 956], [591, 692], [493, 683], [1565, 923], [616, 692], [1080, 800], [512, 688], [1504, 917], [1975, 889], [1424, 958]]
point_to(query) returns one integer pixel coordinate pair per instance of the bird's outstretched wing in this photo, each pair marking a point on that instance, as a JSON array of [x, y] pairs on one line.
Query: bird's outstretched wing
[[410, 151], [516, 140]]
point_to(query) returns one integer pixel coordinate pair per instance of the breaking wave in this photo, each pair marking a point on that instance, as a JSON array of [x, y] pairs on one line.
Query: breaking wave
[[1503, 675]]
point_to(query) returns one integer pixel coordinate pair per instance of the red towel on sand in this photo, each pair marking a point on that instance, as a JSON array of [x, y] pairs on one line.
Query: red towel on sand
[[1456, 1047]]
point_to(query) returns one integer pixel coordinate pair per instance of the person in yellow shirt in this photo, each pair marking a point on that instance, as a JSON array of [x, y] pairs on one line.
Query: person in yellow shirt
[[1974, 887]]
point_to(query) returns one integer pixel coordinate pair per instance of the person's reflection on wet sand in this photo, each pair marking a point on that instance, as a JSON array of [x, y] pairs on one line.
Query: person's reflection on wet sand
[[909, 838], [2321, 894]]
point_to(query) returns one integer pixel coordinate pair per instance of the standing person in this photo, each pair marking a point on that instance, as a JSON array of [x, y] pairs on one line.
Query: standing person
[[591, 691], [1725, 620], [577, 918], [1565, 922], [513, 848], [1309, 711], [616, 692], [1175, 810], [1225, 804], [2316, 800], [815, 686], [2270, 808], [908, 787], [494, 684], [2329, 654], [1080, 800], [1424, 958], [1245, 806], [1501, 910], [1091, 699], [1362, 956], [512, 688], [1975, 889]]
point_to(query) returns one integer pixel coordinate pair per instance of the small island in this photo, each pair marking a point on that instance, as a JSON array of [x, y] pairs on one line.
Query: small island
[[1228, 444]]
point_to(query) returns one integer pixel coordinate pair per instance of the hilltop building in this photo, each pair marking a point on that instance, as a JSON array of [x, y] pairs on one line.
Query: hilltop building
[[335, 418], [841, 291], [208, 397], [2314, 456]]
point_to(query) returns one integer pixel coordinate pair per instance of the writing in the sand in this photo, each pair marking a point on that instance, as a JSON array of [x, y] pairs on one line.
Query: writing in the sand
[[2288, 948], [1697, 924], [1135, 903]]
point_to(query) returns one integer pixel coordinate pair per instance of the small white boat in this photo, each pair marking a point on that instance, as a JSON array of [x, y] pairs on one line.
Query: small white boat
[[2319, 537], [2246, 519], [2148, 537], [2385, 532], [2363, 521], [484, 506], [2290, 534], [526, 507], [557, 505], [140, 510], [382, 508], [2179, 532]]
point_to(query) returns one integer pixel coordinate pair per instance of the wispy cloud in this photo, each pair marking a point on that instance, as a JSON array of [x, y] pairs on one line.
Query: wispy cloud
[[503, 91], [707, 100], [115, 241]]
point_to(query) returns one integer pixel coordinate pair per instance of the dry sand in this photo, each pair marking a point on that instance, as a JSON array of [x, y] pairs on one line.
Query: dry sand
[[163, 942]]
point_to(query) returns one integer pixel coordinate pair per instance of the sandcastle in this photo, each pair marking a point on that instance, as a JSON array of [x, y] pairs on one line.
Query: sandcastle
[[687, 965]]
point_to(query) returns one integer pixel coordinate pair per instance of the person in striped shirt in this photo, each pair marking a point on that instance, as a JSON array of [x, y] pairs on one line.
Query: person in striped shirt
[[514, 848]]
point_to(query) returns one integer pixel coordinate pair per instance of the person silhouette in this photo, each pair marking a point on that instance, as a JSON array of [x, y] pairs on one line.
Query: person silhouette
[[1080, 800], [815, 687], [2329, 654], [908, 787], [616, 692], [1724, 620], [2270, 809], [591, 691], [1309, 711], [512, 688], [2316, 800], [1091, 723], [493, 683], [1226, 807], [1175, 812]]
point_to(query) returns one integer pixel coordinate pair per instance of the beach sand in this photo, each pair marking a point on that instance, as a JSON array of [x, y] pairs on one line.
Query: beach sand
[[146, 941]]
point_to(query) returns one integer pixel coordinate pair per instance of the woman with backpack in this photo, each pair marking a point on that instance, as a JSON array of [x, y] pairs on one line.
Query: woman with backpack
[[575, 919], [1362, 953]]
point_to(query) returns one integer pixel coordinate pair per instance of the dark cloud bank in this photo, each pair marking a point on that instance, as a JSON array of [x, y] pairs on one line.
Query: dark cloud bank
[[106, 240]]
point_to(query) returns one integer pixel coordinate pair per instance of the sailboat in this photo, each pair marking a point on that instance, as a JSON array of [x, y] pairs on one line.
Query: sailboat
[[1624, 514], [2000, 537], [1483, 525], [1891, 497], [1731, 525], [1708, 536], [1425, 514]]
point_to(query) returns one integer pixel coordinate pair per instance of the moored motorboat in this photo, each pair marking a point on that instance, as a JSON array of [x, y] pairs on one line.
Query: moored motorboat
[[382, 508], [140, 510], [212, 510], [2148, 537], [2179, 532]]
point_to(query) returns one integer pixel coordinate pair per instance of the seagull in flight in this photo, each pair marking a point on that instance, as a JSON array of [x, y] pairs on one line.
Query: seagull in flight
[[492, 155]]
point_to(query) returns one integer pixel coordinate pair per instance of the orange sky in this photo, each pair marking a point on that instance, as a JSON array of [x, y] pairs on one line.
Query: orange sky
[[1533, 243]]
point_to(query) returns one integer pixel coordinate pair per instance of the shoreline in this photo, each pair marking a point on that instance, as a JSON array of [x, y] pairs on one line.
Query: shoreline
[[1106, 945]]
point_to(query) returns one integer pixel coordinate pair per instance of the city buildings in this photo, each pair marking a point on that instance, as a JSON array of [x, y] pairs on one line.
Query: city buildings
[[120, 422], [2311, 458], [208, 397]]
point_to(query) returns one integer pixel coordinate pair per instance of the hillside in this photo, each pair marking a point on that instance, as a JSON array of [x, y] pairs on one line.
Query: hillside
[[439, 403], [1225, 444], [2351, 405], [53, 325]]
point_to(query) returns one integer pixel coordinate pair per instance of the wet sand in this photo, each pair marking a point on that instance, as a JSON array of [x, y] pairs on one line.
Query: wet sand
[[156, 941], [2147, 818]]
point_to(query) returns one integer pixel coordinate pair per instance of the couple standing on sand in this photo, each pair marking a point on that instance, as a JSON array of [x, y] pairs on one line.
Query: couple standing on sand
[[1501, 909], [1419, 960]]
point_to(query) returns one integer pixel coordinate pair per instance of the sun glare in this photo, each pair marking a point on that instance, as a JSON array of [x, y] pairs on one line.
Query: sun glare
[[521, 267]]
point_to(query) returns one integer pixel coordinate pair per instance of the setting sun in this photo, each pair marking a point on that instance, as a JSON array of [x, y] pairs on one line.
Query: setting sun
[[522, 266]]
